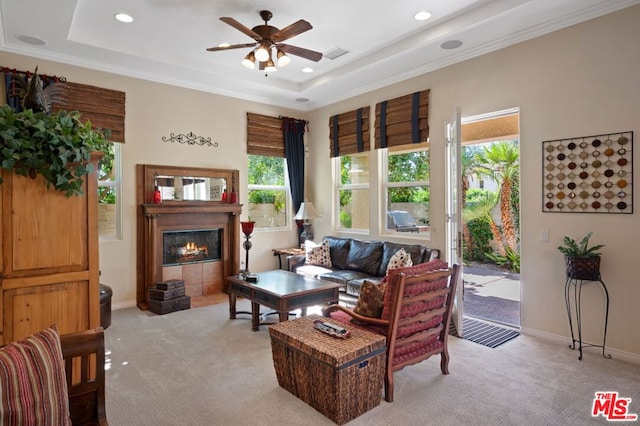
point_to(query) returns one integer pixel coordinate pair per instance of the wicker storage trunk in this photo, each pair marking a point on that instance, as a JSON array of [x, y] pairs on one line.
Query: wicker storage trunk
[[341, 378]]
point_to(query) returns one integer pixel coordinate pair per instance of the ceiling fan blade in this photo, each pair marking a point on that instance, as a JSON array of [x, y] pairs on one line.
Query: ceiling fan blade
[[233, 46], [238, 26], [311, 55], [292, 30]]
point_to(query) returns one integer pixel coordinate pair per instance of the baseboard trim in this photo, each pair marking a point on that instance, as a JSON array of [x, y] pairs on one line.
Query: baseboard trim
[[123, 305], [615, 353]]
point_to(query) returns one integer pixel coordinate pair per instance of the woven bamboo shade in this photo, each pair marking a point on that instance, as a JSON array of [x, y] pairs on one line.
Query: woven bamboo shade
[[105, 108], [403, 120], [500, 128], [349, 132], [265, 135]]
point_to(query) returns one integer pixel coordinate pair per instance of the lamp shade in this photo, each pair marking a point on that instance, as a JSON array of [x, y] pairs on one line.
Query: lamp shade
[[249, 60], [269, 66], [306, 211], [247, 227], [263, 53], [283, 59]]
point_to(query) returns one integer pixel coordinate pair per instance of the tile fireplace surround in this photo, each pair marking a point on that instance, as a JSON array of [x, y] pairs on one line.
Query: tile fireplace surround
[[201, 277]]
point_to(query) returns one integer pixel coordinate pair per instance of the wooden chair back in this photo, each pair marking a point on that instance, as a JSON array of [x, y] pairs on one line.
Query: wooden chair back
[[84, 358], [419, 320]]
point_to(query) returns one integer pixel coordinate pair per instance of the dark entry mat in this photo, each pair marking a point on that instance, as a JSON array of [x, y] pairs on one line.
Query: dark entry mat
[[486, 334]]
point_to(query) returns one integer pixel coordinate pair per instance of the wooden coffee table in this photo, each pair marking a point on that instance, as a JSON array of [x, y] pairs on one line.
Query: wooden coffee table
[[282, 291]]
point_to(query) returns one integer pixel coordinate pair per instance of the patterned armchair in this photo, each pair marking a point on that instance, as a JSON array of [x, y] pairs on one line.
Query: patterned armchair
[[415, 316]]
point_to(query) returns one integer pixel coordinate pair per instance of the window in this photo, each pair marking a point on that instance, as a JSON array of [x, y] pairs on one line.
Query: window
[[109, 193], [268, 196], [352, 192], [406, 187]]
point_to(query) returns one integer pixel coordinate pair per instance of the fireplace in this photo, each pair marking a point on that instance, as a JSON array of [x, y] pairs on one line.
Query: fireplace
[[200, 245], [197, 241]]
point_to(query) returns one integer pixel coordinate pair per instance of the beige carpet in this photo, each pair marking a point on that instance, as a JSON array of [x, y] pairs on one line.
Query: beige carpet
[[197, 367]]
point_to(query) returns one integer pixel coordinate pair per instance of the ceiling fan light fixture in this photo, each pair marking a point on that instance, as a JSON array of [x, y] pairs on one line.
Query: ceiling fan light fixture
[[262, 52], [269, 66], [283, 59], [249, 61]]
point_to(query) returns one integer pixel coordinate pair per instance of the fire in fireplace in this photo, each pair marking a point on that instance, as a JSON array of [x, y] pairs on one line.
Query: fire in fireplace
[[191, 246]]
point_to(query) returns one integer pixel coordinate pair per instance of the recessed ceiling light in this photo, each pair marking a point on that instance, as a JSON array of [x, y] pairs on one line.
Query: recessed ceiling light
[[451, 44], [423, 15], [35, 41], [123, 17], [307, 69]]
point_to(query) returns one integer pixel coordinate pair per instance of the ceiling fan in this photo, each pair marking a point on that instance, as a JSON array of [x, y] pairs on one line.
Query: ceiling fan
[[268, 41]]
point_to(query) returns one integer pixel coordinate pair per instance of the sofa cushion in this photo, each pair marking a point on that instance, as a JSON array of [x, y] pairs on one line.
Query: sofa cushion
[[416, 251], [370, 301], [339, 249], [354, 285], [365, 256], [33, 385], [344, 276], [401, 259], [318, 255], [312, 271]]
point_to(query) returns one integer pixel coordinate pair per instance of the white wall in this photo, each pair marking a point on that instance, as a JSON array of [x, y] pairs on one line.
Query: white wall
[[579, 81], [576, 82]]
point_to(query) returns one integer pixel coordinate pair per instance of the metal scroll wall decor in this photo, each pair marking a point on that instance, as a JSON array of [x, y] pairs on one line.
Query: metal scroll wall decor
[[190, 139], [588, 174]]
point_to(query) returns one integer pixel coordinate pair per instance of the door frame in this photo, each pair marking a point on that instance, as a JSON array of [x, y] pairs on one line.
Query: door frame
[[453, 214]]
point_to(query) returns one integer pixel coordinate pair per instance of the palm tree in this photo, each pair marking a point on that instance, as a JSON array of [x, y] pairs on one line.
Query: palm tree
[[481, 209], [501, 162], [469, 167]]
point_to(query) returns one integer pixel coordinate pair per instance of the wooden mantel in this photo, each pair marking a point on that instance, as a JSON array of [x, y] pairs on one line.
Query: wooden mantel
[[186, 207], [178, 215]]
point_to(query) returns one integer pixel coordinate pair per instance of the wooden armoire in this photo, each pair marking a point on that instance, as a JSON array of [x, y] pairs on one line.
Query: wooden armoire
[[49, 263]]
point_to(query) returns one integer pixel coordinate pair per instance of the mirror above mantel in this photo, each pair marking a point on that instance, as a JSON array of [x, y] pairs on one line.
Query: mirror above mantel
[[186, 184], [192, 188]]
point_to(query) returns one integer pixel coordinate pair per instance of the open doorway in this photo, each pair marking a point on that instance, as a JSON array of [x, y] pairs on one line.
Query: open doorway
[[490, 181]]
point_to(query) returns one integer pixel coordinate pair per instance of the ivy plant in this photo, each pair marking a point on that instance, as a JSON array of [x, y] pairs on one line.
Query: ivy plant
[[57, 146]]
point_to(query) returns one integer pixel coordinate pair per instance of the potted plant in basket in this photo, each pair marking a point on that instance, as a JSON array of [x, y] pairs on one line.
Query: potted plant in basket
[[582, 261], [57, 146]]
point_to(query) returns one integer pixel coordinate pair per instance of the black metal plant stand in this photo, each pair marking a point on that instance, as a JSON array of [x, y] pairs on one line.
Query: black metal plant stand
[[577, 296]]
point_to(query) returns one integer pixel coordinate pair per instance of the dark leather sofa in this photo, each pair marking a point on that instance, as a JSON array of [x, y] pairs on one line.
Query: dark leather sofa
[[353, 261]]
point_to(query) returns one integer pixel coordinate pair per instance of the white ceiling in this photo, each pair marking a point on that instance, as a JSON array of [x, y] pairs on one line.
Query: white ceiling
[[167, 40]]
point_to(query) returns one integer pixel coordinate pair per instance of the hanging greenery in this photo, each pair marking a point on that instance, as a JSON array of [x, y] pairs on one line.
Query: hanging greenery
[[57, 146]]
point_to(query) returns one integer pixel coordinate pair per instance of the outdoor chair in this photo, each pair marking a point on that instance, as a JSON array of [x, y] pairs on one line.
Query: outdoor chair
[[415, 317]]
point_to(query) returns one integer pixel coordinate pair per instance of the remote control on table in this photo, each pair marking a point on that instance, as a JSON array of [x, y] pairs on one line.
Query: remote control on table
[[331, 329]]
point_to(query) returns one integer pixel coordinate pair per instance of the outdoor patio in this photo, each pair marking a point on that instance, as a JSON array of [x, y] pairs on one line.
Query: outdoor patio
[[491, 294]]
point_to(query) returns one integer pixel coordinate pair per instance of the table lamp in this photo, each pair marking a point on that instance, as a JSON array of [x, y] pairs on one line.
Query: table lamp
[[306, 212]]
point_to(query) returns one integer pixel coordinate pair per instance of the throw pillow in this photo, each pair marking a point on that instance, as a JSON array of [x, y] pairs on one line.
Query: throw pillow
[[319, 255], [400, 259], [370, 301], [33, 387]]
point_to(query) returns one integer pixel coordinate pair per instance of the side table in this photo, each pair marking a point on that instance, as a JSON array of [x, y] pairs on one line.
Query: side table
[[577, 284], [291, 251]]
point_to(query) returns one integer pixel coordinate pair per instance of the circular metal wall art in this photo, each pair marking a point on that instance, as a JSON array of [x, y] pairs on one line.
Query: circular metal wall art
[[597, 166]]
